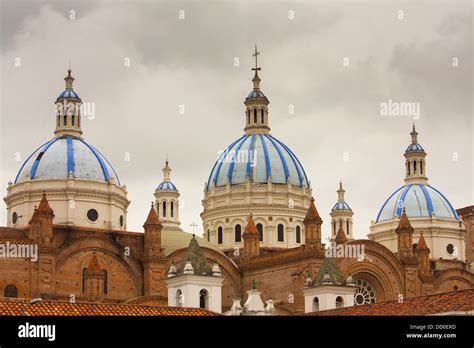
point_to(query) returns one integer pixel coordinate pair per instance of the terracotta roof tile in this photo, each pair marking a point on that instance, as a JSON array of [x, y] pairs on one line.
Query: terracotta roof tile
[[455, 301], [16, 307]]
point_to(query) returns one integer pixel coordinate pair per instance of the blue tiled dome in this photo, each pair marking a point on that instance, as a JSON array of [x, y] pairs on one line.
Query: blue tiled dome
[[257, 157], [419, 200], [60, 156], [341, 206], [167, 185], [69, 93], [256, 94], [414, 147]]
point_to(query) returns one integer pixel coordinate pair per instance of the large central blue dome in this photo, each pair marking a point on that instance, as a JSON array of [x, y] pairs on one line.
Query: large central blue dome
[[258, 157], [60, 156]]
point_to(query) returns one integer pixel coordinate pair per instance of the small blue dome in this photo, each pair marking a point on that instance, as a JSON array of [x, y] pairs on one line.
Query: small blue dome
[[341, 206], [69, 93], [58, 157], [414, 147], [258, 157], [256, 94], [167, 185], [419, 200]]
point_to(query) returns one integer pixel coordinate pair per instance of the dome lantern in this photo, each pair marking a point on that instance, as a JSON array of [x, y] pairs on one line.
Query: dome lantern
[[256, 111], [68, 111], [415, 164]]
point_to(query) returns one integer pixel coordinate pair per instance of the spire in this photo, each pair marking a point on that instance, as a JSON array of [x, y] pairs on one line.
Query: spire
[[166, 171], [152, 218], [256, 80], [43, 206], [256, 113], [404, 224], [312, 213], [340, 192], [421, 245], [196, 260], [69, 80], [414, 135], [251, 228], [340, 236]]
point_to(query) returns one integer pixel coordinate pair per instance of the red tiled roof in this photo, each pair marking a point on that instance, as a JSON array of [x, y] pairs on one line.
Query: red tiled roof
[[16, 307], [455, 301]]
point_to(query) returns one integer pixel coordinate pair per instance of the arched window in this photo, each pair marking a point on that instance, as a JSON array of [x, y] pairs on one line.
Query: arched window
[[421, 167], [208, 235], [106, 281], [347, 227], [72, 120], [334, 227], [203, 299], [263, 117], [219, 235], [408, 166], [414, 167], [10, 291], [260, 232], [254, 115], [172, 209], [164, 208], [248, 116], [315, 304], [298, 234], [179, 298], [339, 302], [238, 233], [456, 288], [65, 120], [280, 233]]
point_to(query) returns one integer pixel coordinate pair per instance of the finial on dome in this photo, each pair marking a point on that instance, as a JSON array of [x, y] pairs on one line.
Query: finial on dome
[[340, 192], [166, 171], [414, 134], [256, 80], [69, 79]]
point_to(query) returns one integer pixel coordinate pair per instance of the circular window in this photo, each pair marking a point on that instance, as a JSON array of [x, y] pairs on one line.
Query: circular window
[[14, 217], [364, 293], [450, 249], [92, 215], [121, 220]]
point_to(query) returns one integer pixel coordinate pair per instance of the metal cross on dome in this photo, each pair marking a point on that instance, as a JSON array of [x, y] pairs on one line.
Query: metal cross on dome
[[193, 225], [256, 62]]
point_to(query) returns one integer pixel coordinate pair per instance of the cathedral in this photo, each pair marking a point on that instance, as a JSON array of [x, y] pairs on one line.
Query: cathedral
[[261, 250]]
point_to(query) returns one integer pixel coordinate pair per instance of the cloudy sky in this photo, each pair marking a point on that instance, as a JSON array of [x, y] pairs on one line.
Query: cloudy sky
[[333, 63]]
